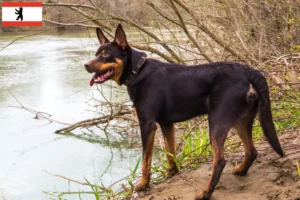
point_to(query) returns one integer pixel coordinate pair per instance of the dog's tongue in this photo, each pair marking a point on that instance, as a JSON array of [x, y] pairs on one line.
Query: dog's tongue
[[92, 82]]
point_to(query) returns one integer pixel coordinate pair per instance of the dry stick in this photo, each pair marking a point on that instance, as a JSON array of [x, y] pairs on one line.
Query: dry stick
[[75, 181], [94, 21], [111, 109], [18, 38], [183, 26], [164, 15], [161, 13], [69, 24], [37, 113], [153, 50], [238, 30], [108, 21], [206, 30], [75, 8], [91, 122]]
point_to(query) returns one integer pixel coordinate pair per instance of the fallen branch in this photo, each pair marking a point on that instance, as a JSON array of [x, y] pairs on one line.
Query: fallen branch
[[95, 121]]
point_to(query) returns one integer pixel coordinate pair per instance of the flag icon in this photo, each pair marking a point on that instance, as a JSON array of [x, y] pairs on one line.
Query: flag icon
[[21, 13]]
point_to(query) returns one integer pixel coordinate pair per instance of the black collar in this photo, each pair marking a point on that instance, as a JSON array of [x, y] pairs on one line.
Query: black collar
[[136, 70]]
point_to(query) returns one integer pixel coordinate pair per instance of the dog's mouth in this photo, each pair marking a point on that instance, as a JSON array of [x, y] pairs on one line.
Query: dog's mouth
[[101, 77]]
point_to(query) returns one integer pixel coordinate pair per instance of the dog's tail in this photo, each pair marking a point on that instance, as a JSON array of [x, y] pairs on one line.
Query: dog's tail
[[265, 116]]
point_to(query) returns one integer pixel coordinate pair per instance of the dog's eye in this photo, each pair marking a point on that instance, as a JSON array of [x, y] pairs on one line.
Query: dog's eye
[[104, 54]]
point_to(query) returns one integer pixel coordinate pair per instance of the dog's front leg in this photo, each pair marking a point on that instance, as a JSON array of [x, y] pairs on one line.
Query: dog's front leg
[[147, 133]]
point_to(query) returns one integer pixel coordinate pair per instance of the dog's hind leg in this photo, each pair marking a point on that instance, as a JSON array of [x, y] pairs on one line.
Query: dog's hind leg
[[244, 130], [226, 104], [218, 133], [168, 133], [148, 133]]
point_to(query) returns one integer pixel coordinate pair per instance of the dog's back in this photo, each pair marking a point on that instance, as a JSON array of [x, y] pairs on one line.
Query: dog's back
[[182, 92]]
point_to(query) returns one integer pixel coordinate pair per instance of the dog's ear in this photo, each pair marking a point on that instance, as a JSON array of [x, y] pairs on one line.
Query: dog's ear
[[102, 39], [120, 37]]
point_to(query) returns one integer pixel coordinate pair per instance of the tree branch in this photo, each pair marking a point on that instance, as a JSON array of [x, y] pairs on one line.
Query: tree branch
[[183, 26], [206, 30], [91, 122]]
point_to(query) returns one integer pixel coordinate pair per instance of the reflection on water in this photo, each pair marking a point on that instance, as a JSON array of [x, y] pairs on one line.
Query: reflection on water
[[45, 73]]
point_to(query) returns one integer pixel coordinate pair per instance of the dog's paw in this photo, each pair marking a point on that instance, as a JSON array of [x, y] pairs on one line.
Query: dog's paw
[[142, 185], [203, 195], [239, 170]]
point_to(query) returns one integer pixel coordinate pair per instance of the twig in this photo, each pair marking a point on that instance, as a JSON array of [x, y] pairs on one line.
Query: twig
[[183, 26], [91, 122], [75, 181], [38, 114]]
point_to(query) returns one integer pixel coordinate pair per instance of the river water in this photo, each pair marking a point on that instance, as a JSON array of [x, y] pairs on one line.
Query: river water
[[46, 73]]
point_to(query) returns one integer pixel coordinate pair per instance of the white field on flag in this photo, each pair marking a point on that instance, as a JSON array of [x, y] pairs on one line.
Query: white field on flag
[[30, 14]]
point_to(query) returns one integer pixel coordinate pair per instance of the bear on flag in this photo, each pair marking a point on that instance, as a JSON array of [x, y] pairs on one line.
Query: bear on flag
[[21, 13]]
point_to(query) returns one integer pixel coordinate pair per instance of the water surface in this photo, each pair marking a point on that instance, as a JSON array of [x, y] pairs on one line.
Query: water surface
[[46, 73]]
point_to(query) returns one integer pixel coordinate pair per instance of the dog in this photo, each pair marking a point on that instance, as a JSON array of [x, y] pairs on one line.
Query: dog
[[163, 93]]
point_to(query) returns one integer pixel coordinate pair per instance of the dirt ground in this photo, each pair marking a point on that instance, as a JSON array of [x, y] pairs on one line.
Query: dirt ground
[[269, 178]]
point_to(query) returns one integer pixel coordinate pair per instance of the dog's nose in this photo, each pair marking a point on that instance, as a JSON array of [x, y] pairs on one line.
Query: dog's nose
[[86, 65]]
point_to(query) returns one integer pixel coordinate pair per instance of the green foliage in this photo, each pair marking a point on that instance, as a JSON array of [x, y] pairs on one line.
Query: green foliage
[[169, 154], [95, 190], [133, 173], [195, 145]]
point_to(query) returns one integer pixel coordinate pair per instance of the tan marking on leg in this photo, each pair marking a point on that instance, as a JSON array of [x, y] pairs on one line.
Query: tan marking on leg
[[250, 151], [146, 163], [169, 138], [218, 166]]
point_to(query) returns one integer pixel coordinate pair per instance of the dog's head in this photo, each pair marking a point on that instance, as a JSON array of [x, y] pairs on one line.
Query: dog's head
[[110, 58]]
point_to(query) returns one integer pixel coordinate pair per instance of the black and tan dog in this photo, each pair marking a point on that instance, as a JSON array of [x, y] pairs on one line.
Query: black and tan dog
[[230, 93]]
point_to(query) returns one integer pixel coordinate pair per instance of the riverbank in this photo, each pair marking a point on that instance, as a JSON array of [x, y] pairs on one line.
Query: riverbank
[[270, 177]]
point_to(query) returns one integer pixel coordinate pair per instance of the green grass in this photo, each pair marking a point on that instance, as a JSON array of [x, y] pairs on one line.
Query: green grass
[[98, 192], [169, 154], [194, 146], [133, 173]]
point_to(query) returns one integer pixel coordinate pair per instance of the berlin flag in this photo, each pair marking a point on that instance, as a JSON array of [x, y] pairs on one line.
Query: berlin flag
[[21, 13]]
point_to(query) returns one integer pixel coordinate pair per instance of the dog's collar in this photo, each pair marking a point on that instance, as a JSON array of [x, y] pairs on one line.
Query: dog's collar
[[136, 70]]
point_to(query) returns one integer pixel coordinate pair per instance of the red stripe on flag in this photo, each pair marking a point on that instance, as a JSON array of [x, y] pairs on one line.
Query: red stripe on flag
[[21, 4], [22, 23]]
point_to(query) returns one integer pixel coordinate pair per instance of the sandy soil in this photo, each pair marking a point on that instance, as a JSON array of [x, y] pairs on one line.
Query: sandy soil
[[269, 178]]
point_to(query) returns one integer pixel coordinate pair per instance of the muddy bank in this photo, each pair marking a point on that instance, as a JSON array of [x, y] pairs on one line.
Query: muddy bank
[[270, 177]]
